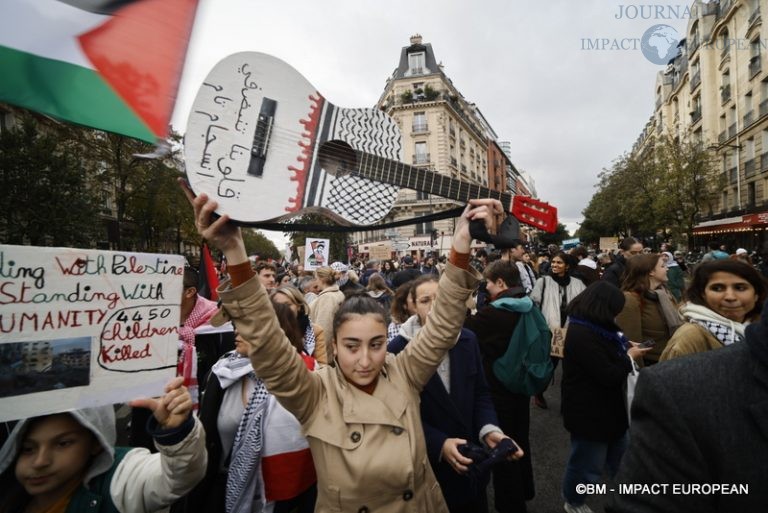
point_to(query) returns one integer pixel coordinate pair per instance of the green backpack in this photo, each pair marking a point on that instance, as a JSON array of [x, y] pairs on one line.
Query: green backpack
[[526, 367]]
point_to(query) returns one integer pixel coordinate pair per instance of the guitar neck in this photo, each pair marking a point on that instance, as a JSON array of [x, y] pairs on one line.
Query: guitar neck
[[389, 171]]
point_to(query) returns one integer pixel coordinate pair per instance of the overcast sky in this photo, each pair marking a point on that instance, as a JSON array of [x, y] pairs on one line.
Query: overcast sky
[[568, 110]]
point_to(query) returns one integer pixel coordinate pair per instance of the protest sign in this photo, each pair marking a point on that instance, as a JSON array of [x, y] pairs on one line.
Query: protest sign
[[380, 251], [83, 328], [316, 253], [609, 243]]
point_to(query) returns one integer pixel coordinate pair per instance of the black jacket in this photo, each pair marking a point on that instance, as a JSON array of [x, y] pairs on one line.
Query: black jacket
[[615, 272], [702, 418], [595, 370], [494, 328]]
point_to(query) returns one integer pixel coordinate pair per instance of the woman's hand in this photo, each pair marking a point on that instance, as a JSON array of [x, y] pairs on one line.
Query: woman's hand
[[220, 233], [637, 351], [451, 455], [173, 408], [493, 438], [482, 209]]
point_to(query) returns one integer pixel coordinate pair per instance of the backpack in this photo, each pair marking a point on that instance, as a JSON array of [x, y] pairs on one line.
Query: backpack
[[525, 367]]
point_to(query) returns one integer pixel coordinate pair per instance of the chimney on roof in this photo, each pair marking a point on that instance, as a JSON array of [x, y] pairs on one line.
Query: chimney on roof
[[416, 39]]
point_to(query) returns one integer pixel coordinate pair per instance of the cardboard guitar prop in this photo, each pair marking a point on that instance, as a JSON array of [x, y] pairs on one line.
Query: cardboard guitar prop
[[267, 146]]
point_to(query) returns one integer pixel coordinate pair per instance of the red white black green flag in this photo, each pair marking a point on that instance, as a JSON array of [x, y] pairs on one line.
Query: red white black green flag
[[114, 65]]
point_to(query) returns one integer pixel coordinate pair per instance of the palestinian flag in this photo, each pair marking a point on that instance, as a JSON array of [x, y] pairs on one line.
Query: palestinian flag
[[208, 278], [114, 65]]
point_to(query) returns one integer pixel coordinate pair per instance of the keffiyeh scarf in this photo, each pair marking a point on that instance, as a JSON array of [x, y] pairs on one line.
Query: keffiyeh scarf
[[724, 329], [243, 476]]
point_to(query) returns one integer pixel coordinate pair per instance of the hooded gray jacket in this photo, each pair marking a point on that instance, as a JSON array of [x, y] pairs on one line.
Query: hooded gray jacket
[[142, 482]]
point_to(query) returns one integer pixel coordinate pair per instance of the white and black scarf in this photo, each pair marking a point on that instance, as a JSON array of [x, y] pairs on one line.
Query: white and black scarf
[[245, 457], [724, 329]]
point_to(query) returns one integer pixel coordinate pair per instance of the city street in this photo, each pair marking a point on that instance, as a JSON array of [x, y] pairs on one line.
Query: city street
[[550, 446]]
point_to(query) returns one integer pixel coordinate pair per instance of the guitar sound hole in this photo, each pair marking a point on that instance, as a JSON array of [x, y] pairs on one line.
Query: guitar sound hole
[[337, 158]]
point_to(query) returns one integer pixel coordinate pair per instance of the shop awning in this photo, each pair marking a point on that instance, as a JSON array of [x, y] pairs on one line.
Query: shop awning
[[731, 224]]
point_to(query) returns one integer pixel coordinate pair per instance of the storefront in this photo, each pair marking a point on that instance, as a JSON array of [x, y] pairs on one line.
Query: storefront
[[747, 231]]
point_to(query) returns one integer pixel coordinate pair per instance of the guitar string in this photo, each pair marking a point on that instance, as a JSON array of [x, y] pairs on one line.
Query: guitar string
[[453, 190], [277, 142], [413, 176]]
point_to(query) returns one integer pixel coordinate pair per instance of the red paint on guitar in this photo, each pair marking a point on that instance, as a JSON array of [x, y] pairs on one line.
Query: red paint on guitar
[[307, 144]]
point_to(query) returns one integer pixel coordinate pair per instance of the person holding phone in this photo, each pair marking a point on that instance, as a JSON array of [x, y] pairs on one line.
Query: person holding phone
[[595, 367]]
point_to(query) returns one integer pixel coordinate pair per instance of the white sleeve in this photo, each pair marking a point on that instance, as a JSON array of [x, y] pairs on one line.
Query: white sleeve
[[147, 483]]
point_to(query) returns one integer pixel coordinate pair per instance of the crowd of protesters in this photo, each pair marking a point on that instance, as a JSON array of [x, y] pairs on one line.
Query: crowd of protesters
[[371, 386]]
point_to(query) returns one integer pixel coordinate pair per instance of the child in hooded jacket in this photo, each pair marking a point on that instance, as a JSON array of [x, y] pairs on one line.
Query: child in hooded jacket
[[67, 462]]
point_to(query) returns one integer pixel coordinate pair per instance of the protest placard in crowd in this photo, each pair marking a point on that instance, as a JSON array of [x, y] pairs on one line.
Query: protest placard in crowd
[[85, 327]]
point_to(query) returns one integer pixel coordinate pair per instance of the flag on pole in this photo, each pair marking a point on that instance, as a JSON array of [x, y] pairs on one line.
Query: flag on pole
[[208, 278], [114, 65]]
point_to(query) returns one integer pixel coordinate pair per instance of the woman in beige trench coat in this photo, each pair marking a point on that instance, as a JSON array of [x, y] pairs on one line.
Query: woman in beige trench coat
[[361, 418]]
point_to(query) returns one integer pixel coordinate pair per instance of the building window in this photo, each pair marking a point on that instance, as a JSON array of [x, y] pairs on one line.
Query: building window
[[725, 87], [424, 228], [750, 148], [421, 156], [416, 63], [725, 43], [419, 122], [751, 194], [754, 57], [764, 142]]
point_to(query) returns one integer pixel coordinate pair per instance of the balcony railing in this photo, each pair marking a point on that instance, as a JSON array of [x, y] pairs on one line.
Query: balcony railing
[[749, 168], [763, 109], [695, 80], [695, 116], [420, 128], [694, 44], [755, 66], [725, 93], [420, 159], [732, 130]]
